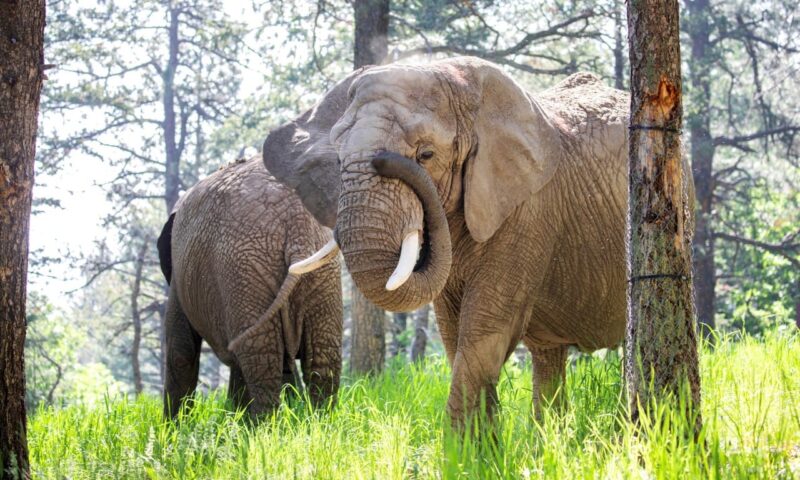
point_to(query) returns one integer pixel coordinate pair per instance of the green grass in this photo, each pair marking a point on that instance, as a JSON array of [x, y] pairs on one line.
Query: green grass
[[395, 426]]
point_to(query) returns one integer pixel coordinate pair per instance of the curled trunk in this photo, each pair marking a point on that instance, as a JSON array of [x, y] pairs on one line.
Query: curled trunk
[[370, 235]]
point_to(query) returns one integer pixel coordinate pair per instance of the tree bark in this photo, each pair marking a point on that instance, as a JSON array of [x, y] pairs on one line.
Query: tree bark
[[702, 151], [368, 349], [136, 317], [661, 345], [369, 344], [21, 75], [172, 152], [372, 32], [619, 47], [172, 176], [420, 334], [399, 325]]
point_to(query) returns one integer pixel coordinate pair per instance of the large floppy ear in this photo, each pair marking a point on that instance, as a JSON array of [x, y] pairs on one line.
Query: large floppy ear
[[518, 151], [299, 153]]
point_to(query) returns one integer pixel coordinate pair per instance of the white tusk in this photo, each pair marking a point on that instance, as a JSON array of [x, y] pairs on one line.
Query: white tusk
[[409, 253], [323, 256]]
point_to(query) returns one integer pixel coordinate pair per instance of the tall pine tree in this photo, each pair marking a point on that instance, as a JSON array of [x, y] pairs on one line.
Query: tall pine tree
[[661, 340], [21, 70]]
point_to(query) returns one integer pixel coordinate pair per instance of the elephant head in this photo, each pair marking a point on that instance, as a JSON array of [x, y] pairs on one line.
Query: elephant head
[[409, 147]]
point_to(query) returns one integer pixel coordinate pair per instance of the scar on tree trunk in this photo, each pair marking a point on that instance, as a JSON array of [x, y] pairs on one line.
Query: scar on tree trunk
[[661, 337]]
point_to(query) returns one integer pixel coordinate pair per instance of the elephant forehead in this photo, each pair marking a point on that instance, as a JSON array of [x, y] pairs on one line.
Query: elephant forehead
[[410, 87]]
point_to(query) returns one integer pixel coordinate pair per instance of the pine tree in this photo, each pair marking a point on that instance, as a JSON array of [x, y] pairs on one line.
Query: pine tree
[[661, 340], [22, 65]]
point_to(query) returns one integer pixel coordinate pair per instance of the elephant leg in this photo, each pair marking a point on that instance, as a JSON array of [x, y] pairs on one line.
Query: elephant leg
[[549, 377], [318, 306], [260, 357], [482, 350], [237, 389], [321, 360], [182, 357], [321, 372]]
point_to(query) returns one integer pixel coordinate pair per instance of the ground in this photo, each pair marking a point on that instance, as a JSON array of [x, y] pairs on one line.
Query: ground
[[394, 426]]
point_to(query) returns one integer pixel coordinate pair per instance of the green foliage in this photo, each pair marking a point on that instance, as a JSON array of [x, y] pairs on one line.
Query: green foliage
[[762, 288], [51, 346], [395, 426], [60, 368]]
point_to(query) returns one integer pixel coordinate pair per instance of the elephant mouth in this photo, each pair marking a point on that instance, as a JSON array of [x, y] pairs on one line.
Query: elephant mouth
[[433, 254], [424, 250], [425, 255]]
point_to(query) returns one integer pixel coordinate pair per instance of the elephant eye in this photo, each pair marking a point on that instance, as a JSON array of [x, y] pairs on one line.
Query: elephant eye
[[425, 155]]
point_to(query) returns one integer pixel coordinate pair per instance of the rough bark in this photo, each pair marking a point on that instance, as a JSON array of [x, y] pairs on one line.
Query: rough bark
[[370, 48], [369, 345], [136, 317], [372, 30], [420, 342], [21, 74], [661, 339], [702, 152], [619, 47]]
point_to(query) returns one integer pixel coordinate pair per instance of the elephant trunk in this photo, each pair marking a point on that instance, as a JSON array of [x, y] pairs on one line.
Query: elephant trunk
[[372, 225]]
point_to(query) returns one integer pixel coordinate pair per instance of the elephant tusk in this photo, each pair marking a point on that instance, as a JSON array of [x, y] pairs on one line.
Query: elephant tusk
[[323, 256], [409, 254]]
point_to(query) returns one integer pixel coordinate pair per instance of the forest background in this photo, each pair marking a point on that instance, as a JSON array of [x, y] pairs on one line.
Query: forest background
[[148, 97]]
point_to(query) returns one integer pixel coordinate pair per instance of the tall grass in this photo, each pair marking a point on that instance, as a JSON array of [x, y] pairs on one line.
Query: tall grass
[[395, 426]]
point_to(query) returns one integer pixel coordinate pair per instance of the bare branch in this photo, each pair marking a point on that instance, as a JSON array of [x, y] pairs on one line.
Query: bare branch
[[784, 249], [737, 141], [555, 31]]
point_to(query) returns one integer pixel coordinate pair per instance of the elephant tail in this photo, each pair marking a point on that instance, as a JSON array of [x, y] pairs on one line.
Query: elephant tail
[[286, 289], [164, 245]]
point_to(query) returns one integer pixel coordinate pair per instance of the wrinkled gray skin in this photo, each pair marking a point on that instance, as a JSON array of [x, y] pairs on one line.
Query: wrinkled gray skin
[[226, 253], [522, 204]]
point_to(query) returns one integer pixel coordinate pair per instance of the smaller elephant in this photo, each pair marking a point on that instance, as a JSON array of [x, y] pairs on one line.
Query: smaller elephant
[[225, 251]]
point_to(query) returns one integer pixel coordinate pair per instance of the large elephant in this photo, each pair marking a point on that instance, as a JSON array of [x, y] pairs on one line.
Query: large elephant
[[505, 208], [225, 252]]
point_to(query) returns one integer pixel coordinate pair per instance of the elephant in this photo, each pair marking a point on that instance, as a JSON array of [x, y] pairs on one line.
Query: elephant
[[505, 208], [225, 251]]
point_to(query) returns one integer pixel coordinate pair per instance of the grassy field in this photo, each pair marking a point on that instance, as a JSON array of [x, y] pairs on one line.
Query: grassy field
[[395, 426]]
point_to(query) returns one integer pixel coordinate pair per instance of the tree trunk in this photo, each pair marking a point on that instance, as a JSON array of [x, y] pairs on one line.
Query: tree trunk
[[661, 339], [370, 48], [702, 151], [619, 47], [172, 160], [136, 317], [399, 325], [369, 345], [420, 334], [172, 176], [21, 66], [372, 32]]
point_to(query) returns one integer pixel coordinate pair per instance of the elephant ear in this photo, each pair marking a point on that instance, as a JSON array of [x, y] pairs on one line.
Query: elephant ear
[[518, 151], [299, 153]]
